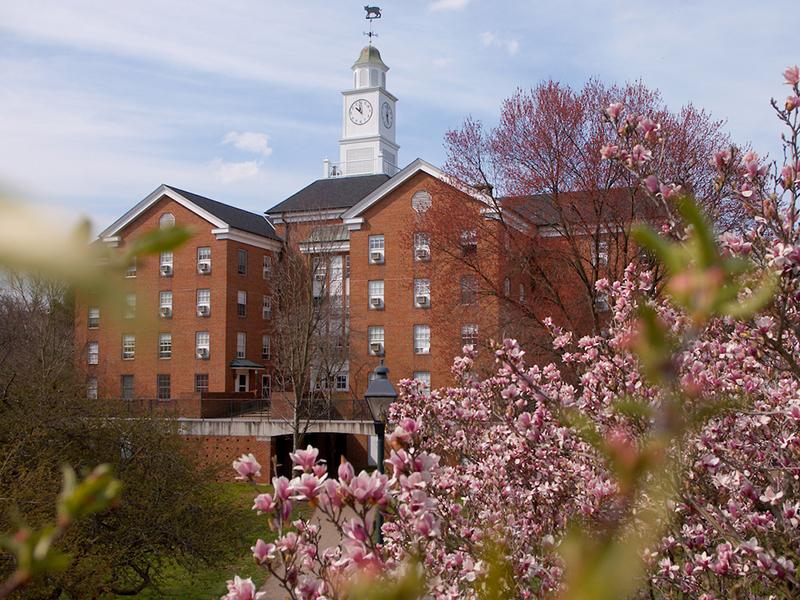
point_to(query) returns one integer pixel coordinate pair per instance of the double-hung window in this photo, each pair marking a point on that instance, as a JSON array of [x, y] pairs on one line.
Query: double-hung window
[[376, 294], [130, 306], [127, 387], [422, 339], [202, 344], [164, 345], [204, 260], [201, 382], [469, 289], [163, 387], [469, 241], [241, 303], [422, 293], [266, 271], [340, 383], [203, 302], [94, 317], [522, 293], [91, 388], [424, 377], [469, 335], [166, 264], [130, 271], [265, 345], [266, 307], [165, 304], [375, 335], [376, 249], [128, 346], [93, 353], [241, 262], [241, 344], [422, 247]]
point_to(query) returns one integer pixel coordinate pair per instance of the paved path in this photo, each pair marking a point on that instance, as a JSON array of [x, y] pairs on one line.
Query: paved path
[[328, 537]]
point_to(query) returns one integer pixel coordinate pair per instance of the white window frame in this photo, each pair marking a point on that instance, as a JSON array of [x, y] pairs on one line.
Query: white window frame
[[422, 339], [422, 288], [93, 318], [130, 271], [376, 335], [200, 300], [130, 306], [159, 377], [241, 301], [122, 386], [468, 239], [202, 341], [268, 379], [166, 259], [341, 382], [266, 346], [203, 259], [128, 346], [266, 270], [522, 293], [377, 243], [465, 289], [422, 242], [165, 345], [93, 353], [241, 344], [375, 288], [91, 388], [166, 221], [266, 307], [469, 335], [600, 258], [241, 267], [506, 287], [425, 378]]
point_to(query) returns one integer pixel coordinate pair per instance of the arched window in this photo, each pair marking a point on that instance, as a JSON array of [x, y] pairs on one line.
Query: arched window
[[167, 220], [421, 201]]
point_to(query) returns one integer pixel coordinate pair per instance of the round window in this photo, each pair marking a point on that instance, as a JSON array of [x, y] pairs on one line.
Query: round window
[[166, 220], [421, 201]]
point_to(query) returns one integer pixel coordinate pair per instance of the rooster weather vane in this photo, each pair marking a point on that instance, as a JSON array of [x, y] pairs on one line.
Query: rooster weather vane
[[373, 12]]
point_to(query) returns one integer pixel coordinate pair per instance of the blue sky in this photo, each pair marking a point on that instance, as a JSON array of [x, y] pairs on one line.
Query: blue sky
[[100, 101]]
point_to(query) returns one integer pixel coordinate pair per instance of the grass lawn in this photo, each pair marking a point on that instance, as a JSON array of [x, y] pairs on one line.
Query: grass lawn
[[210, 582]]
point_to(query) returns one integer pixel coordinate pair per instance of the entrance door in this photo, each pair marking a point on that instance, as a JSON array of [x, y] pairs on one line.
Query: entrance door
[[241, 382]]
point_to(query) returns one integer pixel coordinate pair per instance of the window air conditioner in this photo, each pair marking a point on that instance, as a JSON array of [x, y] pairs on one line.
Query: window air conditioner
[[166, 270], [421, 350], [422, 301], [376, 302], [203, 310], [166, 312], [319, 276], [376, 348], [204, 267], [376, 257], [423, 254], [202, 353]]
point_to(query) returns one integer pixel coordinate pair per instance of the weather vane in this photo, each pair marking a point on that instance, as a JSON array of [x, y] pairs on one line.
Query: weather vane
[[373, 12]]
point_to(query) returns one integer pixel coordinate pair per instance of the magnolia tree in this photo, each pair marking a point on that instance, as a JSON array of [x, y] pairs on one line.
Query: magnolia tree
[[670, 468]]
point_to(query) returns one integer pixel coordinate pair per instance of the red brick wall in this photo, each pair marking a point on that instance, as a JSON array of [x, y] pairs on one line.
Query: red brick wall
[[222, 325], [221, 451]]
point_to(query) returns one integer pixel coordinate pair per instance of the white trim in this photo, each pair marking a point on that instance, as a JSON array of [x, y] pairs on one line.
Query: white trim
[[354, 91], [237, 235], [306, 215], [161, 191], [327, 247], [419, 165]]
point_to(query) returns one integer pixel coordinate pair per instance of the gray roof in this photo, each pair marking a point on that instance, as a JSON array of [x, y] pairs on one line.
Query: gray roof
[[370, 56], [328, 233], [326, 194], [235, 217], [244, 363]]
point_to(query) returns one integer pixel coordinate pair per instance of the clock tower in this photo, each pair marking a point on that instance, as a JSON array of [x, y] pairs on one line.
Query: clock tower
[[368, 120]]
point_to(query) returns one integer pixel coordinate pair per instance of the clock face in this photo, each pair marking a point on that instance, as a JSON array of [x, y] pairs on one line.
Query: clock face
[[360, 111], [386, 115]]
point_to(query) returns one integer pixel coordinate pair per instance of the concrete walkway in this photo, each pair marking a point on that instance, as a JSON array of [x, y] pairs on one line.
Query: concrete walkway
[[329, 536]]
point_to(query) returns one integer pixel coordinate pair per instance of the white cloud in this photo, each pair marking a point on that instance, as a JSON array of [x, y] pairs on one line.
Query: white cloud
[[449, 5], [249, 141], [489, 38], [232, 172]]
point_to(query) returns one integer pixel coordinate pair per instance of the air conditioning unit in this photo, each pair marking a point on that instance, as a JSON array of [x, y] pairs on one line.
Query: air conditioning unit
[[422, 301], [376, 348], [166, 270], [422, 254], [421, 350], [376, 257], [376, 302], [204, 267], [202, 353], [319, 276], [166, 312], [203, 310]]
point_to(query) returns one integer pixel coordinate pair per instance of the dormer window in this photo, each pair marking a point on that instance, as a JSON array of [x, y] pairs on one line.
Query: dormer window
[[166, 221]]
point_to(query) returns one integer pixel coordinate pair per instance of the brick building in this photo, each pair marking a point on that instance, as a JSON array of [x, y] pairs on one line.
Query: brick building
[[398, 247]]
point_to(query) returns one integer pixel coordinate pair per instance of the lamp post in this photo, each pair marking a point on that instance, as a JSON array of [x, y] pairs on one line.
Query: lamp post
[[379, 396]]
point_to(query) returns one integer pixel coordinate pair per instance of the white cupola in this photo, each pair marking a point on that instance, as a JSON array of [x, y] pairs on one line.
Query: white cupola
[[367, 145]]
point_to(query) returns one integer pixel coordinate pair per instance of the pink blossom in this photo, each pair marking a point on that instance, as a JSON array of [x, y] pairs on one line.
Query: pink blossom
[[263, 552], [346, 472], [770, 496], [609, 151], [640, 155], [651, 183], [614, 110], [242, 589], [792, 103], [247, 467], [304, 460], [791, 75], [264, 503]]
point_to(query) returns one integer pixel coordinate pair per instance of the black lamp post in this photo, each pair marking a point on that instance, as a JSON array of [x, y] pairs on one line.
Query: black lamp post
[[379, 396]]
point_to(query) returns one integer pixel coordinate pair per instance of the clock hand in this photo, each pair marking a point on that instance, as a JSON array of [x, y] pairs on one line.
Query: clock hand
[[358, 108]]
